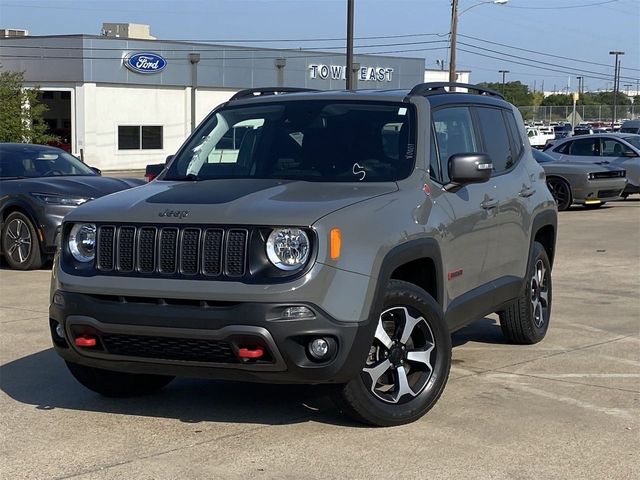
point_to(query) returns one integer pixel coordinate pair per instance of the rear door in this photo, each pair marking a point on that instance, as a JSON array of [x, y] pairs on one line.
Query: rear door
[[511, 187]]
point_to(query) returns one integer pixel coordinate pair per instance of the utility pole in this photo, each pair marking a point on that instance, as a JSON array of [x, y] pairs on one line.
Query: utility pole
[[350, 44], [616, 73], [454, 35], [504, 73]]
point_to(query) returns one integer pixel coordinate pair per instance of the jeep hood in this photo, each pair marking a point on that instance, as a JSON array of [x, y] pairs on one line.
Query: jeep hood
[[231, 202]]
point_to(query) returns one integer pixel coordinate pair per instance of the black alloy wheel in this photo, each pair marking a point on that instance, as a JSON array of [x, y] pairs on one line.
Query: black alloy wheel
[[561, 192], [20, 243]]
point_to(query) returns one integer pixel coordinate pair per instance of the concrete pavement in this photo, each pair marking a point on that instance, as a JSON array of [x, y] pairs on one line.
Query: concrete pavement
[[568, 407]]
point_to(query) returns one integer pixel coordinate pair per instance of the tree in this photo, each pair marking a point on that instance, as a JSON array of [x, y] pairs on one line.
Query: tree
[[21, 111], [514, 92]]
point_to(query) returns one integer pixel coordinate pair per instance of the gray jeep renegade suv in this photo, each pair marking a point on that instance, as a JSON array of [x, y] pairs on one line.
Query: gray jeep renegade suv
[[314, 237]]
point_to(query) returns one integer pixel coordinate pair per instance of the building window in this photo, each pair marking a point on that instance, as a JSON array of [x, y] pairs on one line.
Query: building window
[[139, 137]]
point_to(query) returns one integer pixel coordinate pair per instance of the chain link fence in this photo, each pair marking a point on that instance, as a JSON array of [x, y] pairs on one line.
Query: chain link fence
[[585, 113]]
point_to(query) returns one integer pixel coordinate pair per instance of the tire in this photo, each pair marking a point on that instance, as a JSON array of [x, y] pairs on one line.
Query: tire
[[20, 243], [526, 320], [624, 196], [561, 192], [117, 384], [412, 338]]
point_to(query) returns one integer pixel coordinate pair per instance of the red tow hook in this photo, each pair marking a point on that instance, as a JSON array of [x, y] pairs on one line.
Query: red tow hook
[[85, 341], [256, 352]]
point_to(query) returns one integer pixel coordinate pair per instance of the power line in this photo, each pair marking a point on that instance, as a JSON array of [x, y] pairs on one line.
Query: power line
[[535, 66], [575, 71], [225, 48], [564, 7], [544, 54]]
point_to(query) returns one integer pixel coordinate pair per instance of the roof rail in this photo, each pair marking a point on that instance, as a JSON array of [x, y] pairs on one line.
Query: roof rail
[[258, 92], [433, 88]]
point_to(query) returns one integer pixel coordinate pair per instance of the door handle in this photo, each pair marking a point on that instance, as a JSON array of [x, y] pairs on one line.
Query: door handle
[[489, 203], [526, 192]]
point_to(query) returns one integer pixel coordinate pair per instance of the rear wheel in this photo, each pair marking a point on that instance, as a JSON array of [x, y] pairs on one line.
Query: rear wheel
[[526, 320], [561, 192], [408, 362], [117, 384], [20, 243]]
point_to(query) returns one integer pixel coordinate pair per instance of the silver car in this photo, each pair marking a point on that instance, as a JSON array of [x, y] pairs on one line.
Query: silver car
[[621, 150], [586, 184]]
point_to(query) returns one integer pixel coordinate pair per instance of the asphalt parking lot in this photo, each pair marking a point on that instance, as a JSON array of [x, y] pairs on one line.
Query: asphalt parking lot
[[568, 407]]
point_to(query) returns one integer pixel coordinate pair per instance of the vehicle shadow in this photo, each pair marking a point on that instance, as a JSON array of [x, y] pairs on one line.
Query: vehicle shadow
[[484, 330], [42, 380]]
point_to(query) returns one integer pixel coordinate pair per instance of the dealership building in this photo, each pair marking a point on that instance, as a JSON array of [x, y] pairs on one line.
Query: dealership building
[[123, 102]]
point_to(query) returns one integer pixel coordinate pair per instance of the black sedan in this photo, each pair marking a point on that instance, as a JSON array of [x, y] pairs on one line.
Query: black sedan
[[39, 185]]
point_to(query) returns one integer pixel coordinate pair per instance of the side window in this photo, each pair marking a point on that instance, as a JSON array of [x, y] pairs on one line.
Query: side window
[[228, 148], [585, 147], [613, 148], [434, 164], [496, 138], [515, 135], [564, 148], [454, 134]]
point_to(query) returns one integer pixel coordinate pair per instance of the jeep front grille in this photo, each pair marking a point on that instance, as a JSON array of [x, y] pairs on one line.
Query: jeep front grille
[[172, 251]]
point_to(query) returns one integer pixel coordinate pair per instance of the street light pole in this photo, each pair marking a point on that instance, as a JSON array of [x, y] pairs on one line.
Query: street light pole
[[580, 86], [350, 44], [454, 32], [616, 73], [504, 73]]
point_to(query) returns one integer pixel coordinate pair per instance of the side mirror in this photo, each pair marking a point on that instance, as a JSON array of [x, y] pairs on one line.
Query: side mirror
[[168, 159], [468, 168], [97, 170], [630, 154]]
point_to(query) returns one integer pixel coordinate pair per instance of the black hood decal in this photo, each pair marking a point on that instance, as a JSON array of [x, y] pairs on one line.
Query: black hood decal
[[210, 192]]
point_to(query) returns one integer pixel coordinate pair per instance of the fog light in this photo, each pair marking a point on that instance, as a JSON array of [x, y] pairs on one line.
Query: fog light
[[297, 312], [60, 331], [58, 299], [319, 348]]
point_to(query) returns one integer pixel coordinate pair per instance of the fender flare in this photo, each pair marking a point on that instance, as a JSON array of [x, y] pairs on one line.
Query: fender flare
[[547, 218], [399, 255]]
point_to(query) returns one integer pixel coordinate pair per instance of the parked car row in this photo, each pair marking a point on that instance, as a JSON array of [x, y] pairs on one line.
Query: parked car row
[[39, 185]]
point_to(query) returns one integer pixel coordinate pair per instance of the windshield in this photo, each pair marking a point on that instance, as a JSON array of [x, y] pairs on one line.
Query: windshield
[[635, 141], [316, 141], [34, 161]]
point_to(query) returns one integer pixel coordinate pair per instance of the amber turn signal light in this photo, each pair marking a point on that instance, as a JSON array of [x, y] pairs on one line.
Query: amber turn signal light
[[335, 243]]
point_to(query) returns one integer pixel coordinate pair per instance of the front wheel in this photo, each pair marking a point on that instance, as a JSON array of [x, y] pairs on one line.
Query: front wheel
[[20, 243], [526, 320], [561, 192], [408, 362], [117, 384]]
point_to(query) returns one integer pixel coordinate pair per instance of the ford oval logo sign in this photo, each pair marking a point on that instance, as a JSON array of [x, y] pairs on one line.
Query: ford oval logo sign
[[145, 62]]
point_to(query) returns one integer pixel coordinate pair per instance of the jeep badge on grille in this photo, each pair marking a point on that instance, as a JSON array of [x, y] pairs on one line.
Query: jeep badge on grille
[[174, 213]]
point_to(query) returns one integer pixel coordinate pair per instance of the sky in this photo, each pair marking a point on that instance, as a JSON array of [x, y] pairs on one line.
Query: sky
[[540, 42]]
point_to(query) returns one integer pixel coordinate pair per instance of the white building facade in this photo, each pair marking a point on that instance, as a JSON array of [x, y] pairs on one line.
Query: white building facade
[[123, 103]]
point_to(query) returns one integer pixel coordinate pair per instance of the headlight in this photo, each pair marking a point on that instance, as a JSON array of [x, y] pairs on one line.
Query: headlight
[[82, 241], [54, 199], [288, 248]]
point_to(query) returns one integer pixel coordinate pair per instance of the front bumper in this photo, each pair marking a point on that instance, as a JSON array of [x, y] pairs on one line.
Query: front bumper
[[597, 191], [180, 331]]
